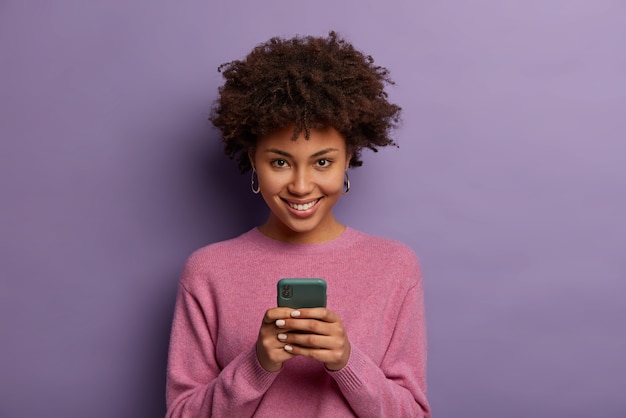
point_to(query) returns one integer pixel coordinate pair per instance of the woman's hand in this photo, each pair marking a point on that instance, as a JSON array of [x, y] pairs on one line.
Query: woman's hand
[[269, 349], [317, 333]]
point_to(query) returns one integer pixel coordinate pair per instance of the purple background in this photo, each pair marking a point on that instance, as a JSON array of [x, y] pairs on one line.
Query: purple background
[[509, 184]]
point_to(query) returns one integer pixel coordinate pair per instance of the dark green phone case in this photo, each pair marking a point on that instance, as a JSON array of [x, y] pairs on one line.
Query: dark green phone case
[[301, 293]]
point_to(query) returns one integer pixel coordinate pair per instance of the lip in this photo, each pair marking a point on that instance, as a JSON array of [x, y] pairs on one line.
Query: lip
[[302, 213]]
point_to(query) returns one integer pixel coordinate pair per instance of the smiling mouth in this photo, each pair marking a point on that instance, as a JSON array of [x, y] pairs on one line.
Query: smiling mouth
[[303, 206]]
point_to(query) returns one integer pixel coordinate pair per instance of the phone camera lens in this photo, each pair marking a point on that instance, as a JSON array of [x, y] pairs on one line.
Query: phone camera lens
[[286, 291]]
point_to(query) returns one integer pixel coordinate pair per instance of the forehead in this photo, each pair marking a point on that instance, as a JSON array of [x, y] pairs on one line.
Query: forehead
[[319, 139]]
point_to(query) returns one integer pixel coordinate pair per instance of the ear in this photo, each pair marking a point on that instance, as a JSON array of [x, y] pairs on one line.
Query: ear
[[251, 153], [349, 154]]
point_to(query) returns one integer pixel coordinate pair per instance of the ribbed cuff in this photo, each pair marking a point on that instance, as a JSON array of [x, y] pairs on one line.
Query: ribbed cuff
[[348, 377], [258, 378]]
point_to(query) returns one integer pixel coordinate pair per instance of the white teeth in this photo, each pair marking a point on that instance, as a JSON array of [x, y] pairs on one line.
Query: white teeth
[[306, 206]]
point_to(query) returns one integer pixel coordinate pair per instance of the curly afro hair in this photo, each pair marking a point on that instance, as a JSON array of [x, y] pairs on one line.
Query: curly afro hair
[[307, 82]]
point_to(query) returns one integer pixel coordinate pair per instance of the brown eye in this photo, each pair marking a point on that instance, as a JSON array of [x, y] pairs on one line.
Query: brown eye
[[323, 162]]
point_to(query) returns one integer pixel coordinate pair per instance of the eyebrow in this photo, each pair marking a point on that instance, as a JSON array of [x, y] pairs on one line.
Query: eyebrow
[[286, 154]]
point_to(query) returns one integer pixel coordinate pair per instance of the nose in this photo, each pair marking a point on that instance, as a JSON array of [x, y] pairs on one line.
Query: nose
[[301, 183]]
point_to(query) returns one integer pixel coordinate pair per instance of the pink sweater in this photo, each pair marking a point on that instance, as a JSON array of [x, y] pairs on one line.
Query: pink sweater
[[374, 284]]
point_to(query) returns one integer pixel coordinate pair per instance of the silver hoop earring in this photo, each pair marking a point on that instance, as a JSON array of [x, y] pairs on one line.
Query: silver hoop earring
[[346, 182], [258, 188]]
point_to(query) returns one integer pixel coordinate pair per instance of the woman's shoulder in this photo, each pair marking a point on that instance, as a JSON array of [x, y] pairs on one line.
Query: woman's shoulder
[[221, 251], [383, 245], [381, 254]]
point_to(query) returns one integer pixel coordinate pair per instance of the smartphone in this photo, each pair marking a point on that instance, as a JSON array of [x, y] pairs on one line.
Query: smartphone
[[301, 293]]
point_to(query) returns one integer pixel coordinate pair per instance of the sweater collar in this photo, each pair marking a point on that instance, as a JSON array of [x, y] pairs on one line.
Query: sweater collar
[[346, 239]]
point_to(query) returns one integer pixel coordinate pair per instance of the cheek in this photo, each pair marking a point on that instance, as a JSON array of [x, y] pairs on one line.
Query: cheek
[[268, 182], [271, 187], [334, 184]]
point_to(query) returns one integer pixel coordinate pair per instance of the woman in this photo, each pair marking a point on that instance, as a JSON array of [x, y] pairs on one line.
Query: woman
[[297, 113]]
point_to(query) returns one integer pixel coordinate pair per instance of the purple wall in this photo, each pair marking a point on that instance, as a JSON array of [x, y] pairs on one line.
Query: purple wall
[[509, 184]]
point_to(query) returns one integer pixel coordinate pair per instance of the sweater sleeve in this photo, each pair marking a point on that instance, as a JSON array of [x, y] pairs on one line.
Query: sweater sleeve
[[396, 388], [196, 387]]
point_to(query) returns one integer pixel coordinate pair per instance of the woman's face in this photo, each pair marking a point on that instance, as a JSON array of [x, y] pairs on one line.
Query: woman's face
[[301, 181]]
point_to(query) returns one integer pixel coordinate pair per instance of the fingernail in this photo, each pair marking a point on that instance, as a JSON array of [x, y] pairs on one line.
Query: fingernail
[[280, 322], [282, 337], [288, 348], [295, 313]]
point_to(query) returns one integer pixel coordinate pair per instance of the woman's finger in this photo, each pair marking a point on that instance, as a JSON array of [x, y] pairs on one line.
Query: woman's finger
[[273, 314]]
